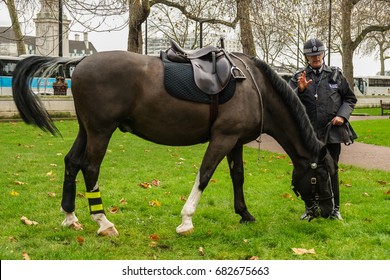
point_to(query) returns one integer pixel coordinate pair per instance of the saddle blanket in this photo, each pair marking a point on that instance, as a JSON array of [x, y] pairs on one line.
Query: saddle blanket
[[179, 82]]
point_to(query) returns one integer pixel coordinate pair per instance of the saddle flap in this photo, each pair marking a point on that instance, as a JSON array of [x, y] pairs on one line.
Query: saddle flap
[[211, 77]]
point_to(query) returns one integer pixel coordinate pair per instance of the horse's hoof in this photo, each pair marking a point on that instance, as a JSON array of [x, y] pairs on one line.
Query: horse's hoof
[[111, 231], [184, 231], [76, 226], [246, 221]]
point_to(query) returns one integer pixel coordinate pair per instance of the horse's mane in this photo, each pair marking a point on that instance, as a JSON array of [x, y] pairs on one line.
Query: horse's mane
[[293, 103]]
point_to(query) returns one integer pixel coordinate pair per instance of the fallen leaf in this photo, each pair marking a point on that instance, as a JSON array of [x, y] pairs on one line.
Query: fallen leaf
[[382, 182], [183, 198], [388, 192], [156, 182], [19, 183], [213, 181], [79, 194], [152, 244], [287, 195], [50, 173], [123, 201], [154, 203], [28, 222], [14, 193], [301, 251], [365, 194], [113, 209], [12, 239], [154, 237], [80, 240], [201, 251], [51, 194], [254, 258], [25, 256], [145, 185], [53, 165]]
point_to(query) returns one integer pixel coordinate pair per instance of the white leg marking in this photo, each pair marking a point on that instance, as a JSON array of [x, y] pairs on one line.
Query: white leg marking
[[189, 208], [71, 221], [105, 226], [95, 187]]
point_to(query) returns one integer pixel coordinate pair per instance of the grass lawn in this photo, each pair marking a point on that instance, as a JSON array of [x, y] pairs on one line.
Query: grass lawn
[[31, 185]]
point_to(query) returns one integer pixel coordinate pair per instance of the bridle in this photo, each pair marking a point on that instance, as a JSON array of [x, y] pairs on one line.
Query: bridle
[[314, 210]]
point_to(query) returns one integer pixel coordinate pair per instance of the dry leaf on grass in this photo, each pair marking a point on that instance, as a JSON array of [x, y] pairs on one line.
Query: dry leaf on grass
[[14, 193], [201, 251], [19, 183], [154, 203], [388, 192], [254, 258], [154, 237], [51, 194], [80, 240], [301, 251], [25, 256], [156, 182], [28, 222], [113, 209], [145, 185]]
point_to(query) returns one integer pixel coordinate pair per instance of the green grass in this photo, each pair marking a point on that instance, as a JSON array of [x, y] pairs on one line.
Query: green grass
[[374, 111], [32, 168], [375, 132]]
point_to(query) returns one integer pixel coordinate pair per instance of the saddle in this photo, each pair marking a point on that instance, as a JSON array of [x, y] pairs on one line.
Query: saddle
[[212, 66]]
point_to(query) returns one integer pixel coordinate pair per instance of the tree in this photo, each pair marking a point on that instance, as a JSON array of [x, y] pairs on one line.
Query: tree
[[142, 9], [16, 26], [350, 44]]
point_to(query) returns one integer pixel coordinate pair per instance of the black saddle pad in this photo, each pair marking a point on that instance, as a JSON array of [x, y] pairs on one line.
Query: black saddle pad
[[179, 82]]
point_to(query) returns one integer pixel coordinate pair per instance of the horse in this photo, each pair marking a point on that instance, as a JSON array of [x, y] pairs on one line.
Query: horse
[[118, 90]]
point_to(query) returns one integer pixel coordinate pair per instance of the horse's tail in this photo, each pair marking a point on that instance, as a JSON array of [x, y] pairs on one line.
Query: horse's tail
[[28, 103]]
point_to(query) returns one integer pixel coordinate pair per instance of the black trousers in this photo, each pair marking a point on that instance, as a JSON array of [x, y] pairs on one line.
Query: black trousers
[[334, 151]]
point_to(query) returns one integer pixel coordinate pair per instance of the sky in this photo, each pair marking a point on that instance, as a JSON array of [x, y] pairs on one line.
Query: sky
[[117, 40]]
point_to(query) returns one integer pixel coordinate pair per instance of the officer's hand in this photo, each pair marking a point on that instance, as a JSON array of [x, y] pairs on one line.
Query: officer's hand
[[338, 120], [303, 83]]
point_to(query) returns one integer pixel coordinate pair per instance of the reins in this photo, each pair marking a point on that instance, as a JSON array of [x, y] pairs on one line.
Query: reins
[[258, 140]]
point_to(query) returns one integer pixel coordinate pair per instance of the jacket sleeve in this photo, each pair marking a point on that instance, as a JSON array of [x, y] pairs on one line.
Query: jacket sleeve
[[348, 99]]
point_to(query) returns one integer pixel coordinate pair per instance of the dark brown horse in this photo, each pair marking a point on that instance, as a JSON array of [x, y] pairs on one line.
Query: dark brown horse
[[119, 90]]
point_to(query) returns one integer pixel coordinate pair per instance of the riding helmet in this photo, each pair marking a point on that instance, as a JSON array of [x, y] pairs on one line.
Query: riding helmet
[[313, 47]]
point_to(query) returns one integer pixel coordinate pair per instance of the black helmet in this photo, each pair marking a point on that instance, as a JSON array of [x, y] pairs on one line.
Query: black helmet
[[313, 47]]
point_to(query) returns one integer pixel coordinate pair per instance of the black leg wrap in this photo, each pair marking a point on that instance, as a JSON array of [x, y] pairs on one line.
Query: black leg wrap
[[68, 197]]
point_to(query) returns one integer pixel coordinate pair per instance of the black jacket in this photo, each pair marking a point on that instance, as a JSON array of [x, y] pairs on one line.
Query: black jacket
[[329, 95]]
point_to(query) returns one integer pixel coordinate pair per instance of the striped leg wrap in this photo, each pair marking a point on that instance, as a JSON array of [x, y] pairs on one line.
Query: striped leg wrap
[[95, 202]]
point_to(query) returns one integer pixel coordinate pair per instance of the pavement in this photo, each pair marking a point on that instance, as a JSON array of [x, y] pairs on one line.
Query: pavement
[[358, 154]]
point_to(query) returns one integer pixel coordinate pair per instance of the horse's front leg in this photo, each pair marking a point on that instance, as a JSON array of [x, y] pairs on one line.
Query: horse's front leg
[[216, 151], [189, 208], [236, 167]]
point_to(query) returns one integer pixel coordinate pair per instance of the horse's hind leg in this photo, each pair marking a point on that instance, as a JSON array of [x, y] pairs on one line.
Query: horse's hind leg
[[73, 161], [236, 167], [96, 148]]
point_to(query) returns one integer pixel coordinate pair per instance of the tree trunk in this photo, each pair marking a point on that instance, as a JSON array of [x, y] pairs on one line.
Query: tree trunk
[[247, 40], [21, 48], [347, 44], [138, 13]]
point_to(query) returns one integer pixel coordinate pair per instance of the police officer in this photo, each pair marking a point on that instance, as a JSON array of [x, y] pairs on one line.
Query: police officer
[[328, 98]]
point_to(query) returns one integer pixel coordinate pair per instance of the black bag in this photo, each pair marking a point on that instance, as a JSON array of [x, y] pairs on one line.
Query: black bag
[[340, 133]]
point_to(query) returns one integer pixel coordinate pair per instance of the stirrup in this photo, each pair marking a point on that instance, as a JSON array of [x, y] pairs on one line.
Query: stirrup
[[237, 73]]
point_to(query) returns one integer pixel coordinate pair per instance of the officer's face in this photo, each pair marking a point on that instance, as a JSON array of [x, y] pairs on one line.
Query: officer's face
[[315, 61]]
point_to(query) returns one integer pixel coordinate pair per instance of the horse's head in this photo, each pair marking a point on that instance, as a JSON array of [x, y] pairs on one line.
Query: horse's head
[[311, 180]]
